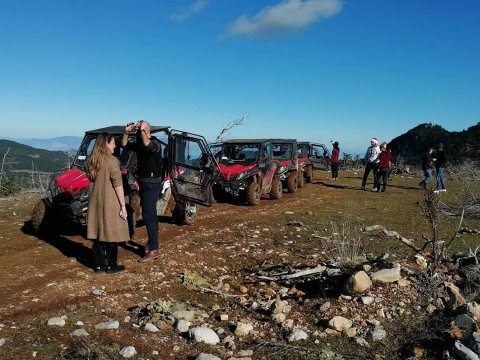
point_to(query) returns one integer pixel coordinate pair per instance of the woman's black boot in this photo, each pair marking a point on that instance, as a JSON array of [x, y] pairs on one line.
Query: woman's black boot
[[99, 258], [112, 253]]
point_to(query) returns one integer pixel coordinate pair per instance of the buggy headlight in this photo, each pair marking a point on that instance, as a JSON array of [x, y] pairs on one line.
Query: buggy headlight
[[242, 175]]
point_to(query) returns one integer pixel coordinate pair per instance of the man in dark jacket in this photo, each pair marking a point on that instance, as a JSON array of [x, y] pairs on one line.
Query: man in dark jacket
[[427, 166], [150, 178], [440, 163]]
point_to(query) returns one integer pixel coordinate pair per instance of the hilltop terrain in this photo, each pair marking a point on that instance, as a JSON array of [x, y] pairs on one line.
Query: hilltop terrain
[[460, 145], [224, 273], [24, 157]]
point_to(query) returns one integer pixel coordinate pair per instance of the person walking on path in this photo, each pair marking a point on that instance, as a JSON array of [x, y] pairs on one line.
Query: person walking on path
[[427, 165], [371, 160], [150, 178], [335, 160], [106, 214], [384, 166], [441, 161]]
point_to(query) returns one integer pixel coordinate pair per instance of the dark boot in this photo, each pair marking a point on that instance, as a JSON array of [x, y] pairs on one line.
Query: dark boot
[[99, 256], [112, 253]]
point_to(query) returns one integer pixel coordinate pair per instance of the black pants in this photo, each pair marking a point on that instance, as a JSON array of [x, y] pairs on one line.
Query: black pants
[[370, 167], [334, 167], [149, 194], [382, 177]]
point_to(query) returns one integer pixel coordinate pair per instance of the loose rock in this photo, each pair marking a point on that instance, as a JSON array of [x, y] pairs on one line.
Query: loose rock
[[56, 321], [297, 335], [204, 356], [80, 332], [108, 325], [128, 352], [243, 329], [204, 334]]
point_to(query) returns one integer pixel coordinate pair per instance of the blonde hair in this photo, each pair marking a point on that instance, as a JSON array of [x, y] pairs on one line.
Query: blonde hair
[[99, 154]]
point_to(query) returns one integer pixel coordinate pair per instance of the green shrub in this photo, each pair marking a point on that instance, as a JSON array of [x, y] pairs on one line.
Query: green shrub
[[9, 185]]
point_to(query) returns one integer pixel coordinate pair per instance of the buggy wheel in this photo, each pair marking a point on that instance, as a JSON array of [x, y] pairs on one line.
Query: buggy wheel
[[39, 215], [309, 173], [292, 183], [253, 194], [300, 178], [277, 189], [185, 213]]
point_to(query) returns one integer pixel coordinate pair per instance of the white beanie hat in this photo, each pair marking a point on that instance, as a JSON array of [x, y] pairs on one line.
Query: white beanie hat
[[375, 140]]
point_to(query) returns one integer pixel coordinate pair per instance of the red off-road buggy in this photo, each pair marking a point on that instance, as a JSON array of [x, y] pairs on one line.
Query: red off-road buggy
[[246, 170], [189, 174], [312, 156], [285, 154]]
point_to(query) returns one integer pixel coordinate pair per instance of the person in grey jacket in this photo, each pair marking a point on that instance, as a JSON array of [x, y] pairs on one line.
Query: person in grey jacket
[[371, 161]]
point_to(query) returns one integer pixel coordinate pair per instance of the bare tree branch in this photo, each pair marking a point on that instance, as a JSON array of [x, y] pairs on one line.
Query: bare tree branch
[[410, 243], [231, 125]]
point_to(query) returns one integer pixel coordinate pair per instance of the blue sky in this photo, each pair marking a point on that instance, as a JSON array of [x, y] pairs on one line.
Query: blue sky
[[316, 70]]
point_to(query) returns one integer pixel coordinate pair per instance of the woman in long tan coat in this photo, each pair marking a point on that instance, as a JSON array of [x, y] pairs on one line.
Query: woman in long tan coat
[[107, 215]]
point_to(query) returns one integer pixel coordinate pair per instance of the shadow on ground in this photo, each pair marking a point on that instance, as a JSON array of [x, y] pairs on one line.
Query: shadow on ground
[[69, 248]]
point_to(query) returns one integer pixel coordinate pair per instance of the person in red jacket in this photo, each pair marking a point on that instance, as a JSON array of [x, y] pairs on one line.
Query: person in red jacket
[[384, 167], [335, 160]]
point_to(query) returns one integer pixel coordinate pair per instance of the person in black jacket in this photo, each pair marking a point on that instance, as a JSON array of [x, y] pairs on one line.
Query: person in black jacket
[[150, 178], [440, 163], [427, 166]]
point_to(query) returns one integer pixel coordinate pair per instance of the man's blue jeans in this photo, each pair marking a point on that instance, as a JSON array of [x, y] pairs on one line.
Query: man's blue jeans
[[440, 179], [428, 175], [149, 194]]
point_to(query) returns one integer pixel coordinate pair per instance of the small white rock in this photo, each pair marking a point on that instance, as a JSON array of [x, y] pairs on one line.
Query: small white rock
[[297, 335], [108, 325], [128, 352], [56, 321], [80, 332], [204, 356], [183, 326], [150, 327]]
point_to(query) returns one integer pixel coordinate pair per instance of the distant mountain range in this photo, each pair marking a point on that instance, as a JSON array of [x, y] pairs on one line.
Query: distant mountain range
[[458, 145], [61, 143], [52, 155], [23, 157]]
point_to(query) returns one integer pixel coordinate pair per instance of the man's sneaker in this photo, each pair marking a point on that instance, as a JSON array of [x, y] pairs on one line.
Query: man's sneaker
[[151, 255], [363, 188], [443, 190], [375, 189], [436, 191]]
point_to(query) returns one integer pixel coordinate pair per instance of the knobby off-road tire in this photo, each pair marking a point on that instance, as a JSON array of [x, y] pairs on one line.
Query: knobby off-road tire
[[185, 213], [300, 178], [277, 189], [309, 173], [292, 183], [39, 218], [253, 194]]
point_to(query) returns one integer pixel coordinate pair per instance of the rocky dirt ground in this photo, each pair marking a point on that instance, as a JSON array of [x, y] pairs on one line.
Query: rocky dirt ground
[[223, 279]]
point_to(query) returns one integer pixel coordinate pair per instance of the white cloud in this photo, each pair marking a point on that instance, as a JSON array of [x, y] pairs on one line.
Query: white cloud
[[287, 16], [185, 12]]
